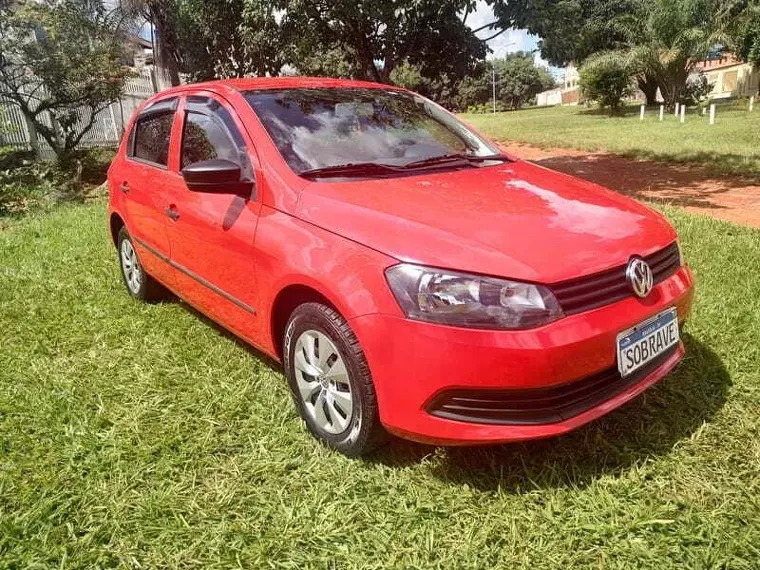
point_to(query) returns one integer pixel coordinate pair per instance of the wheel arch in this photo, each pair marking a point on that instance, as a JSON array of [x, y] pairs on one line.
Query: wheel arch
[[115, 223], [286, 301]]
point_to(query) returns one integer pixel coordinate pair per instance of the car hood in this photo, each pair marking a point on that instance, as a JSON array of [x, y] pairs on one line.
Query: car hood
[[513, 220]]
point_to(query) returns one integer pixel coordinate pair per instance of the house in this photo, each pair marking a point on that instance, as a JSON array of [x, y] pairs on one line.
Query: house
[[571, 88], [141, 50], [729, 76], [567, 94]]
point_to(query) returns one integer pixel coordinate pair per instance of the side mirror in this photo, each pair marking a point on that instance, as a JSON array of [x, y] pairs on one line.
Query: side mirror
[[217, 175]]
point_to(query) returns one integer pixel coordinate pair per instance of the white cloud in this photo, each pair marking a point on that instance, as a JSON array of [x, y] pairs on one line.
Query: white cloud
[[510, 41]]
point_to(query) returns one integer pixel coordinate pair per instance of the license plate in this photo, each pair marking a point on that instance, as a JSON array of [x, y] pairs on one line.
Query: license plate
[[646, 341]]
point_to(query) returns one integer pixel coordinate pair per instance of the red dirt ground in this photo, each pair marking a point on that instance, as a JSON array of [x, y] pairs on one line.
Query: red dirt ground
[[692, 187]]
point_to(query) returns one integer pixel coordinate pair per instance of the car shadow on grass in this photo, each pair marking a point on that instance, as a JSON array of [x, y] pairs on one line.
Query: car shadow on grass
[[264, 358], [647, 427]]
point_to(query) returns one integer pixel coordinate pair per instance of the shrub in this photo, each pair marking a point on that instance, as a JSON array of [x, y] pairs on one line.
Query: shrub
[[697, 90], [26, 184], [95, 163], [13, 157], [607, 79], [481, 108]]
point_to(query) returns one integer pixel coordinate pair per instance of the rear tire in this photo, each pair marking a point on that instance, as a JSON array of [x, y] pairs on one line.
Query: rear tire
[[139, 284], [330, 380]]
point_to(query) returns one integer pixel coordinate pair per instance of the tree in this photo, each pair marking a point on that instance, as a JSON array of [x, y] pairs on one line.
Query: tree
[[365, 39], [409, 77], [606, 78], [318, 59], [572, 30], [676, 36], [474, 90], [518, 79], [62, 63], [213, 39], [745, 31], [444, 88], [665, 38], [380, 35]]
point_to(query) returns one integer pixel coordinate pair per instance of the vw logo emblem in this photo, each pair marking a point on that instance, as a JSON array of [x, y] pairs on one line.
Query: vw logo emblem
[[639, 277]]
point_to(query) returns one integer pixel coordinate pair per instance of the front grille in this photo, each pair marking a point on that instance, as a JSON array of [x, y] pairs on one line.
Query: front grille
[[599, 289], [536, 405]]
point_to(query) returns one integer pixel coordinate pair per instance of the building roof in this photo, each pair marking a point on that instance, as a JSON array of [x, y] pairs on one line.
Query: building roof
[[721, 60], [142, 42]]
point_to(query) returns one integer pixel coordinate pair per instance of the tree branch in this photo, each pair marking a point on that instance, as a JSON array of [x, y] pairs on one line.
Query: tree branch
[[87, 128], [466, 15], [491, 25], [496, 35]]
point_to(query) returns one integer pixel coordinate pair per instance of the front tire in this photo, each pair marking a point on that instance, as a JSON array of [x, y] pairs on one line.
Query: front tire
[[139, 284], [330, 380]]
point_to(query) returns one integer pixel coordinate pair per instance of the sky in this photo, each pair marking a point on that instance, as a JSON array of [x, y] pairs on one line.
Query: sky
[[510, 41]]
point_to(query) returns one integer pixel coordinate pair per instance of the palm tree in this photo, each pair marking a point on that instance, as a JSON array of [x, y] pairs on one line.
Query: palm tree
[[675, 37]]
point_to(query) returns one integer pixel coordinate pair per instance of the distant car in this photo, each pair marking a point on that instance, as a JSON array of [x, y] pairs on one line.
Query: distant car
[[409, 275]]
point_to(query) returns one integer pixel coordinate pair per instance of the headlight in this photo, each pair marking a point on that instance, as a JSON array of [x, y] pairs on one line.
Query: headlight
[[459, 299]]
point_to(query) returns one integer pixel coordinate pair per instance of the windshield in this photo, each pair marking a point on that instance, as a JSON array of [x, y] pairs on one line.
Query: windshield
[[322, 128]]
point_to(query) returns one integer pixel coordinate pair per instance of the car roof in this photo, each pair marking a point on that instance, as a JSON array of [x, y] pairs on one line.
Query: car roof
[[255, 83]]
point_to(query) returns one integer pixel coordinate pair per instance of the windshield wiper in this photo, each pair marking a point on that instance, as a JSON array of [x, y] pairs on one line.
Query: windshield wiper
[[361, 168], [351, 168], [455, 157]]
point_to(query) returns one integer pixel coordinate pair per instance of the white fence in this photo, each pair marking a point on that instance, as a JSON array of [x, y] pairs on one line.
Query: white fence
[[108, 126]]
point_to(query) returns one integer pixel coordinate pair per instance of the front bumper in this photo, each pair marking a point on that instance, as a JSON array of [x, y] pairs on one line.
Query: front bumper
[[413, 362]]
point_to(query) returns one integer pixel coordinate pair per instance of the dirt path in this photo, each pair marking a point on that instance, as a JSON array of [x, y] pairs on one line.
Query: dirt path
[[691, 187]]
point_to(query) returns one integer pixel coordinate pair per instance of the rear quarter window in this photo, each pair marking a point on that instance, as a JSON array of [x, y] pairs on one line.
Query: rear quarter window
[[150, 138]]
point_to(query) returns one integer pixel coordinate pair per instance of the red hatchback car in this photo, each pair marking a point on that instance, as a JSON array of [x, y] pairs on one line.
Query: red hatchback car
[[409, 275]]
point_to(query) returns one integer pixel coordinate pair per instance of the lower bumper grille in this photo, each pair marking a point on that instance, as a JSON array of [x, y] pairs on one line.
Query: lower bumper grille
[[536, 405]]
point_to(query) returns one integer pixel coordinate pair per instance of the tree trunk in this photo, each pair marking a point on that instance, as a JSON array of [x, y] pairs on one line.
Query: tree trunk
[[34, 142], [672, 91], [673, 82], [648, 86], [162, 49]]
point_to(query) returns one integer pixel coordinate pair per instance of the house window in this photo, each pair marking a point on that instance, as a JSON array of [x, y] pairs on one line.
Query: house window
[[729, 80]]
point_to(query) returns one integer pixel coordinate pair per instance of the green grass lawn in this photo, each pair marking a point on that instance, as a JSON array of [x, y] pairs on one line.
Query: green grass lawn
[[142, 437], [732, 145]]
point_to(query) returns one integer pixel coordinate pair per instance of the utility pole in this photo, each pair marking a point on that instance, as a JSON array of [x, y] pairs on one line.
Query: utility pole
[[493, 82], [493, 74]]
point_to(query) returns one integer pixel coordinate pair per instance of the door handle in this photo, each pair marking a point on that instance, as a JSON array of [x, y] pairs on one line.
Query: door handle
[[124, 188], [172, 213]]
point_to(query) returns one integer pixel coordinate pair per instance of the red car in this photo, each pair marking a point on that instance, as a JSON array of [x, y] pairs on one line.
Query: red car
[[410, 276]]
